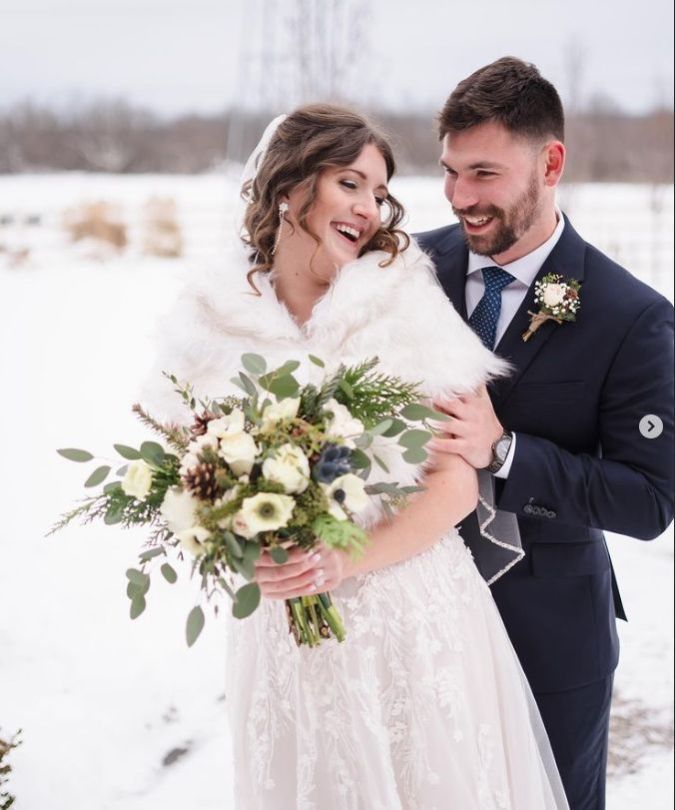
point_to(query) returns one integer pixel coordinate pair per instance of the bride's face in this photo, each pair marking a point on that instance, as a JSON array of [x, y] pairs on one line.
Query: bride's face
[[345, 214]]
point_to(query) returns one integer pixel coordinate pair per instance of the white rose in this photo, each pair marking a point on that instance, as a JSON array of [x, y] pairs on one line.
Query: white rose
[[264, 512], [348, 490], [137, 480], [239, 450], [179, 510], [193, 539], [341, 423], [277, 411], [229, 423], [288, 467], [554, 294]]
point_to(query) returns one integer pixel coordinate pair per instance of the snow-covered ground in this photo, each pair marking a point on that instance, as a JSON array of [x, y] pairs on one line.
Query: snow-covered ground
[[120, 715]]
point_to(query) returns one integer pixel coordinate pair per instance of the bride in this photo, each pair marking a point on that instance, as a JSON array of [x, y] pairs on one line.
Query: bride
[[424, 706]]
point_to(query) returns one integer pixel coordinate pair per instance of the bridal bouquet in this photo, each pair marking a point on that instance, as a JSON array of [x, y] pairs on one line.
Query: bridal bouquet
[[280, 465]]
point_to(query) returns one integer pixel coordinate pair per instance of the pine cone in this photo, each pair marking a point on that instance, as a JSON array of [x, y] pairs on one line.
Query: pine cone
[[201, 481], [200, 424]]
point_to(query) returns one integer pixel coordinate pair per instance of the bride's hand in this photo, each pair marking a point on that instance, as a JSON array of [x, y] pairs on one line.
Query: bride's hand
[[303, 574]]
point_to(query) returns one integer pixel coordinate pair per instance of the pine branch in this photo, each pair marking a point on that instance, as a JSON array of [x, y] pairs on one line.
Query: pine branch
[[93, 507], [174, 435]]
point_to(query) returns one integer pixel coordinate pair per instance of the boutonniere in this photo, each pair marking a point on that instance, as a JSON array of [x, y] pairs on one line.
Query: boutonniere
[[558, 301]]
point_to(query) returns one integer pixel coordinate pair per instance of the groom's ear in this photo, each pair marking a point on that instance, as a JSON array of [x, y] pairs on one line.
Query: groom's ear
[[554, 157]]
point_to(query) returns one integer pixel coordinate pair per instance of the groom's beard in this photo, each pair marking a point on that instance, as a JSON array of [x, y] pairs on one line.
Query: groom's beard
[[509, 226]]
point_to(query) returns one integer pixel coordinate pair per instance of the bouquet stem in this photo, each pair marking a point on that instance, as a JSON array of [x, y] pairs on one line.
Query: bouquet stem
[[312, 618]]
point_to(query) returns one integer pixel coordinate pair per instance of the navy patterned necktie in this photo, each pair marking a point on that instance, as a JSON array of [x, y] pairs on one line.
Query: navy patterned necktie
[[484, 318]]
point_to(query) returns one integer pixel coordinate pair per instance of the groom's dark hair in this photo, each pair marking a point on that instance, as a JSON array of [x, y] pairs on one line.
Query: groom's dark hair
[[511, 92]]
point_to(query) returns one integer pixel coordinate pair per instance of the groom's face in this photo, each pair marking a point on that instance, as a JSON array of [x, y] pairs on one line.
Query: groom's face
[[493, 182]]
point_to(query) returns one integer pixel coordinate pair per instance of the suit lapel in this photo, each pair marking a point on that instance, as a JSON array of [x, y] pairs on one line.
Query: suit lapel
[[567, 260], [451, 258]]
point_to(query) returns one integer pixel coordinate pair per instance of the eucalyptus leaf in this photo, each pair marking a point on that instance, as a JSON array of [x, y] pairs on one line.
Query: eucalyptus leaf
[[317, 361], [72, 454], [279, 555], [415, 455], [122, 470], [98, 476], [363, 441], [129, 453], [247, 384], [233, 545], [247, 600], [152, 453], [150, 554], [414, 438], [137, 577], [417, 412], [284, 387], [168, 573], [380, 463], [288, 367], [254, 363], [194, 625], [137, 606], [382, 428], [236, 381], [113, 486], [397, 426], [114, 515], [359, 460], [225, 586]]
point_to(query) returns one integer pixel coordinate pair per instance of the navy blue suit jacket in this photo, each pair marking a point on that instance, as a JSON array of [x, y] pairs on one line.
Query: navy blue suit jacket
[[575, 400]]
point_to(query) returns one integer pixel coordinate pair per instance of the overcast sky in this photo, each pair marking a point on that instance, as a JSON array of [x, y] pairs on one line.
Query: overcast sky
[[191, 55]]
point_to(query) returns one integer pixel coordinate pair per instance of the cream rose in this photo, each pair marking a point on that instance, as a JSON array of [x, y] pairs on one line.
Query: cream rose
[[226, 424], [341, 423], [137, 480], [277, 411], [193, 540], [179, 509], [554, 294], [288, 467], [264, 512], [239, 450], [349, 491]]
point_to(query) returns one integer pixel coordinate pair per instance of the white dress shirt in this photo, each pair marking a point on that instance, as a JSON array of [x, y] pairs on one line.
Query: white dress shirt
[[524, 270]]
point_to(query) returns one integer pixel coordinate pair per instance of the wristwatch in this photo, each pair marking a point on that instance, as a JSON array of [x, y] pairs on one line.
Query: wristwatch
[[500, 451]]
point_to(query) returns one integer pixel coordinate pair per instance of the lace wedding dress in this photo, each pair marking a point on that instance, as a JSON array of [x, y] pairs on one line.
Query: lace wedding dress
[[423, 707]]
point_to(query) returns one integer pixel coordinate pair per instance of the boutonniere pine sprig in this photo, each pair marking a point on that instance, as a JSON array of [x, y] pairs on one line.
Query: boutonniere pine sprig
[[559, 300]]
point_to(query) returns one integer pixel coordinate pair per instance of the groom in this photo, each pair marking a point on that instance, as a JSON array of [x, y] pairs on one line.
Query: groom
[[580, 437]]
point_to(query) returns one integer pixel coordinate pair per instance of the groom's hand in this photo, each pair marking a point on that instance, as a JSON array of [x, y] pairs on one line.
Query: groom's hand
[[472, 429]]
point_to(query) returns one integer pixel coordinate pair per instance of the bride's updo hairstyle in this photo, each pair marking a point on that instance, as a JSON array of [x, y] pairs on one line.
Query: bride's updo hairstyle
[[313, 138]]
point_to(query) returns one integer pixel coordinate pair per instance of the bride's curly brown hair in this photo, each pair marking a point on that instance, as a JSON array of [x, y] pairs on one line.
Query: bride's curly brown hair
[[311, 139]]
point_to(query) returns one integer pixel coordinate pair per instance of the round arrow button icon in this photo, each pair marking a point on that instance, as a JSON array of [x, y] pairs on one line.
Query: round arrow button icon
[[651, 426]]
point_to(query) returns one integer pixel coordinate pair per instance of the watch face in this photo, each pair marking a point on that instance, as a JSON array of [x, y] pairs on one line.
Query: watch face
[[502, 448]]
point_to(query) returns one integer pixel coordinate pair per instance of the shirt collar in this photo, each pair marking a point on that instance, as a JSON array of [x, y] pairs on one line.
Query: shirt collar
[[526, 268]]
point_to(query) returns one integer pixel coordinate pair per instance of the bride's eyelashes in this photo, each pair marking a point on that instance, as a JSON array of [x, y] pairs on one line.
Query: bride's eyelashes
[[352, 185]]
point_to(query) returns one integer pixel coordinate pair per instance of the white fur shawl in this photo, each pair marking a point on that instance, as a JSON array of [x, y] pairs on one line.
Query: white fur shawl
[[398, 313]]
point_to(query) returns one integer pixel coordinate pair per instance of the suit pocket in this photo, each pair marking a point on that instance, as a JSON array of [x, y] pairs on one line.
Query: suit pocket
[[568, 559]]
